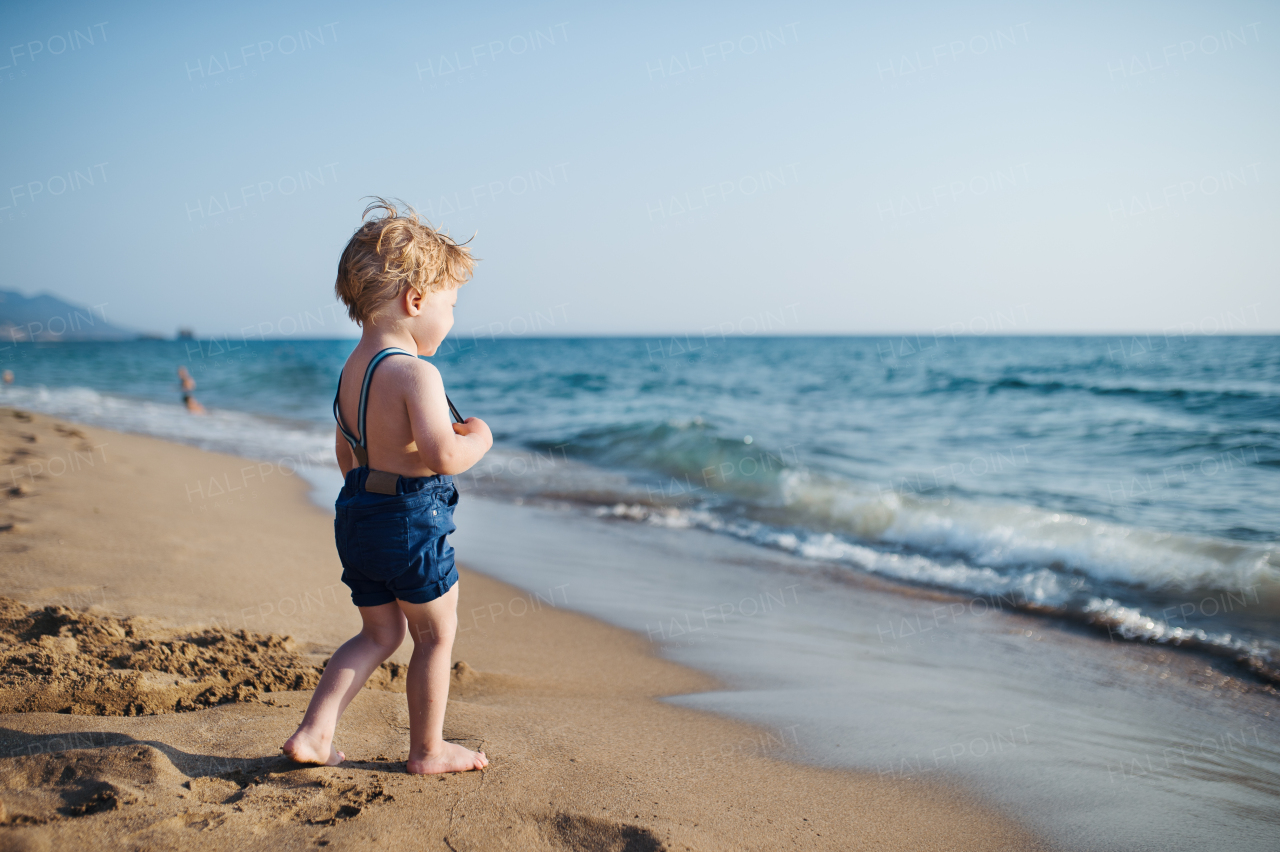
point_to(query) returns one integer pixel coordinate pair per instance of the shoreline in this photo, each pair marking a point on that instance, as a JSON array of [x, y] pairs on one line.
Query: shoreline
[[583, 752], [1089, 742], [1235, 621]]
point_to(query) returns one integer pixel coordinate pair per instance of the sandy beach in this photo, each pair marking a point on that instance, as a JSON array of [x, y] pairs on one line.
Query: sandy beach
[[190, 560], [804, 487]]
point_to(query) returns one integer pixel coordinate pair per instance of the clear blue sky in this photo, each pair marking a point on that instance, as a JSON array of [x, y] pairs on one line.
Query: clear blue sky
[[812, 167]]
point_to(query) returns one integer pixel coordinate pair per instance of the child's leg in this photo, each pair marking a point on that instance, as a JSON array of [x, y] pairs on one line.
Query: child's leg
[[432, 626], [343, 677]]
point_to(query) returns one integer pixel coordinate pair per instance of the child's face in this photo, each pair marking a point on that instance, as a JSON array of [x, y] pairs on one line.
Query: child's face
[[430, 317]]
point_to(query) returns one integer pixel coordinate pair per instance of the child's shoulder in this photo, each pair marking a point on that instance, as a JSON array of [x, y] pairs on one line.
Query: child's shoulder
[[411, 373], [397, 370]]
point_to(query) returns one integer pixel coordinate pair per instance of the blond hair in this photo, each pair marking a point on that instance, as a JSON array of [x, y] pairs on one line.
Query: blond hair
[[391, 252]]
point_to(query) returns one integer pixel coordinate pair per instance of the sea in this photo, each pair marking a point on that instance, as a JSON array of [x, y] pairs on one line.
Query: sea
[[1130, 484]]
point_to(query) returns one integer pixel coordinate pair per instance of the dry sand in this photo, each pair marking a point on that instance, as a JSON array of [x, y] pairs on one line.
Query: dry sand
[[175, 576]]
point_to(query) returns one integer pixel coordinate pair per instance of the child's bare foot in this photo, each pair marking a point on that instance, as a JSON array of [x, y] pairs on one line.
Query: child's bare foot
[[303, 748], [449, 758]]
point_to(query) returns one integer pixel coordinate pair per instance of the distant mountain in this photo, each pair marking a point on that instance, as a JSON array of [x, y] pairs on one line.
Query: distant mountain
[[48, 318]]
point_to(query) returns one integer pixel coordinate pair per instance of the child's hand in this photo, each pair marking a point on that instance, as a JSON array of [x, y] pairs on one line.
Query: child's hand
[[477, 427]]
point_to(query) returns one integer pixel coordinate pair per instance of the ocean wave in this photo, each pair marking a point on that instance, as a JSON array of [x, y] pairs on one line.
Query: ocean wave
[[679, 461], [687, 449], [1050, 557], [942, 381], [1132, 624], [1035, 589], [1013, 537], [1237, 392]]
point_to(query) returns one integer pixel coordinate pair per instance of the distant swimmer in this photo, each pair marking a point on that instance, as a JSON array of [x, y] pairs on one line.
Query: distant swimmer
[[189, 385], [8, 377]]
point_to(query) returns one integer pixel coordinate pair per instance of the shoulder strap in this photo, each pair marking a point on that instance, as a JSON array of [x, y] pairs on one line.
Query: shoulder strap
[[337, 415], [360, 446], [364, 389]]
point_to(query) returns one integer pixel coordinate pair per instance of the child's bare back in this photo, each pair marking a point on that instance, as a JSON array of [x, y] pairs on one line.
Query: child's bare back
[[398, 451]]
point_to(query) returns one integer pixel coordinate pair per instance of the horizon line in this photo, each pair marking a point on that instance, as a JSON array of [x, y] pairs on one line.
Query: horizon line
[[688, 335]]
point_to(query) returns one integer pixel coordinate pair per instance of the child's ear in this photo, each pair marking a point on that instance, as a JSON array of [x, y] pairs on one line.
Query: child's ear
[[412, 302]]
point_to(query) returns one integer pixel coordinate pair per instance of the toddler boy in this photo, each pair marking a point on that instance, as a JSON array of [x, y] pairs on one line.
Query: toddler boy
[[399, 279]]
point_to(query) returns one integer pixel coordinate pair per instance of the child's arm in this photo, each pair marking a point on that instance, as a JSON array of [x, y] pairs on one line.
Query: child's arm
[[444, 447], [346, 458]]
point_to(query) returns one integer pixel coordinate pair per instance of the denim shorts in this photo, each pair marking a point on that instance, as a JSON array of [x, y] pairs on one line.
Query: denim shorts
[[393, 546]]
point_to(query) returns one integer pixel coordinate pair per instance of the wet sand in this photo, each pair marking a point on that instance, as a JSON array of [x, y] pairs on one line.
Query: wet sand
[[584, 756], [1093, 742]]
